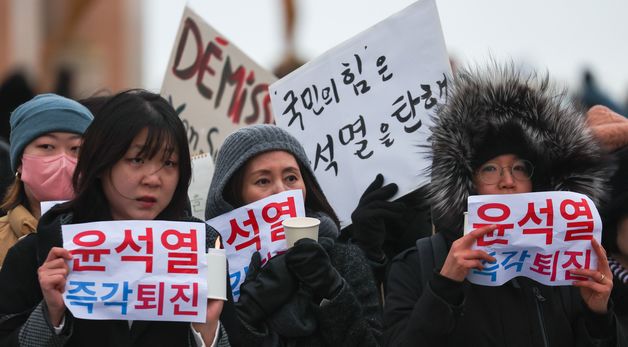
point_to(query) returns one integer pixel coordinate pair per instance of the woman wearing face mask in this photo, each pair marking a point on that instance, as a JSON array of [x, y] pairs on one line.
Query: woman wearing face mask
[[501, 132], [134, 165], [45, 139], [318, 293]]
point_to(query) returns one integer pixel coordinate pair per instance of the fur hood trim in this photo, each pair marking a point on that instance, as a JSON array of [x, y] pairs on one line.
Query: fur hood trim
[[501, 102]]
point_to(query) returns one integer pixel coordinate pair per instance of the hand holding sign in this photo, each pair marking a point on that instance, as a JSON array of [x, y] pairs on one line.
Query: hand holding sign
[[52, 277], [136, 270], [462, 257], [370, 217], [541, 235], [597, 291]]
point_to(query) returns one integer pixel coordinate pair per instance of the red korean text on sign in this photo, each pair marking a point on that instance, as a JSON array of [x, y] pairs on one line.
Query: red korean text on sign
[[272, 214], [531, 215], [580, 220], [251, 236], [185, 259], [130, 242], [504, 211], [150, 297], [572, 262], [181, 295], [89, 239], [545, 264]]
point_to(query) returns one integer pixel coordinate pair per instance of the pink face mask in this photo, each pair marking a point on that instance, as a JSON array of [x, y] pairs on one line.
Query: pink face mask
[[49, 178]]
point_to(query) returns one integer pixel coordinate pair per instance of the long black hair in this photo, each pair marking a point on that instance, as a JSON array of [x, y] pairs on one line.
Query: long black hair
[[109, 137]]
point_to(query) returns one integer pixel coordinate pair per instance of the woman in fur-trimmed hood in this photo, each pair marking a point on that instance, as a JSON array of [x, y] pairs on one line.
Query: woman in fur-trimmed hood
[[499, 111], [501, 132]]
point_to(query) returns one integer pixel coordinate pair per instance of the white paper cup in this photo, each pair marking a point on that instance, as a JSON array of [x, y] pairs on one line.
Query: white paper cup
[[300, 227], [216, 274]]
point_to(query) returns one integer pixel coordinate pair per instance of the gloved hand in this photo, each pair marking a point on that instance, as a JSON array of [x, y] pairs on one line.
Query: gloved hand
[[265, 289], [371, 216], [310, 263]]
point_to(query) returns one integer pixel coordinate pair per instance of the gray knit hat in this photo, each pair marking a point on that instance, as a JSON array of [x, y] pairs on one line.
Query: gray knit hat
[[44, 114], [237, 149]]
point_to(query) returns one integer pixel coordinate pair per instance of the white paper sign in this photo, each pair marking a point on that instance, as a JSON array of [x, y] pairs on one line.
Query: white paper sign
[[539, 235], [202, 173], [364, 107], [136, 270], [45, 206], [213, 85], [256, 228]]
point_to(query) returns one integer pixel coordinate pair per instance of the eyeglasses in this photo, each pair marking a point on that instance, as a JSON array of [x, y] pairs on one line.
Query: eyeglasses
[[491, 173]]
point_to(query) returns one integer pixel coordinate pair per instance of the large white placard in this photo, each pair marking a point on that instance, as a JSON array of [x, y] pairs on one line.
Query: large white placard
[[137, 270], [213, 85], [539, 235], [364, 107], [256, 228]]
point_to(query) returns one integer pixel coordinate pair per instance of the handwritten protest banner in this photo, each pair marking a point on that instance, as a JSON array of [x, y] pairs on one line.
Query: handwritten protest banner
[[256, 227], [539, 235], [136, 270], [202, 173], [213, 85], [364, 107]]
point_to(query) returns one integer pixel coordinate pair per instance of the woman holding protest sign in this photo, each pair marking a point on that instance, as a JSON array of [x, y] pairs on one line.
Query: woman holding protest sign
[[500, 133], [45, 138], [134, 165], [317, 293]]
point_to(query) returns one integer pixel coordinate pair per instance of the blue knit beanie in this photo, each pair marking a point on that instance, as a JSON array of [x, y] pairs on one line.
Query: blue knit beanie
[[44, 114]]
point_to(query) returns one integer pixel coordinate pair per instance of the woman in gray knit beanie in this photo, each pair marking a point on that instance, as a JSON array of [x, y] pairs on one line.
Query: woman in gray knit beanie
[[45, 137], [317, 293]]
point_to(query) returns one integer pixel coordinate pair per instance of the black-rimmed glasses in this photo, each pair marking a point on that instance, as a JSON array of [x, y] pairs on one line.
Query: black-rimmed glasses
[[491, 173]]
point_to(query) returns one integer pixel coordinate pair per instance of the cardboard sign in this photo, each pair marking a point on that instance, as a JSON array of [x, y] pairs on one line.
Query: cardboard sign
[[213, 85], [202, 173], [539, 235], [256, 228], [136, 270], [364, 107]]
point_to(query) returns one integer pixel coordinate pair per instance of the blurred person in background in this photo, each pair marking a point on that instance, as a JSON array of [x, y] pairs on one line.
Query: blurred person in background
[[46, 136]]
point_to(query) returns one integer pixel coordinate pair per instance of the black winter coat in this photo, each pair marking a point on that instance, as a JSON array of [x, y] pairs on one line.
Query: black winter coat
[[521, 312], [352, 318], [620, 298]]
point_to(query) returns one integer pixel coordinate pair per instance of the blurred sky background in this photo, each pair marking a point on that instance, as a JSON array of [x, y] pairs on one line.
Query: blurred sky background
[[562, 36]]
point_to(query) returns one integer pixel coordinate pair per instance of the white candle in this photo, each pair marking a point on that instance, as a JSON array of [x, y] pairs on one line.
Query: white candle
[[216, 274]]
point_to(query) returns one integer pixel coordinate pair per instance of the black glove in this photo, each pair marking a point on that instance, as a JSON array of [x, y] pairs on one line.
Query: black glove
[[265, 289], [371, 215], [310, 263]]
